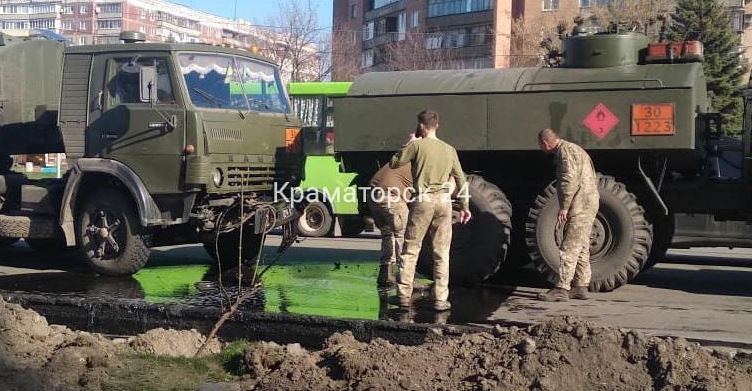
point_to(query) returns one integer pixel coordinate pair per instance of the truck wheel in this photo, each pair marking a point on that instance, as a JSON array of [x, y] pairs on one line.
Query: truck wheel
[[663, 235], [479, 247], [227, 244], [110, 237], [315, 220], [351, 226], [620, 241]]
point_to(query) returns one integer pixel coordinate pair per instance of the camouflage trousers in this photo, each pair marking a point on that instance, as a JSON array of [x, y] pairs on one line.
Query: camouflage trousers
[[574, 252], [390, 218], [431, 216]]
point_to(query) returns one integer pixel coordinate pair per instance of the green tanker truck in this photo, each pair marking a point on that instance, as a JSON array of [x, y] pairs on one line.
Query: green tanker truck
[[166, 144], [667, 176]]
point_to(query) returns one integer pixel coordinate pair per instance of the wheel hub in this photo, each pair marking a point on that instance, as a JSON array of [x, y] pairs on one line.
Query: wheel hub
[[102, 233], [314, 218], [601, 238]]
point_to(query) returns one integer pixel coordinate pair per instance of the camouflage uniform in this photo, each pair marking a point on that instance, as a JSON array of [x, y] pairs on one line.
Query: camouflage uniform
[[578, 194], [389, 210], [433, 163]]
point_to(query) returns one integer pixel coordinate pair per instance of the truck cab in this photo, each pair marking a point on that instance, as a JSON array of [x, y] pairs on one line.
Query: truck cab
[[166, 143]]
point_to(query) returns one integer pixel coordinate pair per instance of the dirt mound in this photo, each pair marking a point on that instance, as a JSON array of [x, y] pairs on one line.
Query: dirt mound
[[35, 355], [563, 354], [173, 343]]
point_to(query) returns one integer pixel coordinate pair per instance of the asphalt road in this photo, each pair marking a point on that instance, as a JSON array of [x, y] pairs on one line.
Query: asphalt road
[[701, 294]]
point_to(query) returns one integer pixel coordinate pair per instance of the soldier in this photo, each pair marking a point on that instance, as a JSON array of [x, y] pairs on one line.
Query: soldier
[[577, 188], [433, 162], [390, 191]]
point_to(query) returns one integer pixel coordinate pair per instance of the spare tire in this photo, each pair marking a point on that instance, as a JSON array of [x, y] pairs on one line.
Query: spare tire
[[480, 246], [620, 241]]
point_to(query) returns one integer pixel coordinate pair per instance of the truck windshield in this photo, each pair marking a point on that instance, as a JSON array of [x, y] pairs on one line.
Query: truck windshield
[[230, 82]]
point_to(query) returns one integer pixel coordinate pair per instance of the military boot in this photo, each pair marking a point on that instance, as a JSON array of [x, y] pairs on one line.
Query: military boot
[[442, 305], [386, 277], [402, 302], [556, 294], [579, 293]]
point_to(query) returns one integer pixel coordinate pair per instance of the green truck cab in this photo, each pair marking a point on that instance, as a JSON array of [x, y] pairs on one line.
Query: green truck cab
[[166, 144], [327, 196], [667, 175]]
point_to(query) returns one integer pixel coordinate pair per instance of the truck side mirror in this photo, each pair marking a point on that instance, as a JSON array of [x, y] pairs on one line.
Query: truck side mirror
[[147, 77]]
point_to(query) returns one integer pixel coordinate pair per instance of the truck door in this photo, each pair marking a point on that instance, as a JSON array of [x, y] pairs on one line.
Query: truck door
[[146, 135]]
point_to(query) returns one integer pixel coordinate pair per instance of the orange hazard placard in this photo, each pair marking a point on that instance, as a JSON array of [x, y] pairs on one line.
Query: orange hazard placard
[[653, 119]]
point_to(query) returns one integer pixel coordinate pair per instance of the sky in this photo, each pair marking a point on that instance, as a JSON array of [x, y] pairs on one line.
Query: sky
[[255, 11]]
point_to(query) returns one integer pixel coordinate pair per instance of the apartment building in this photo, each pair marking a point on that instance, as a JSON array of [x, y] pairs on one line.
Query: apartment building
[[87, 22], [411, 34], [414, 34]]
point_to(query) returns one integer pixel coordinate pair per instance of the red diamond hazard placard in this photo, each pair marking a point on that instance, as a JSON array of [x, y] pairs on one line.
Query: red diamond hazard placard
[[601, 121]]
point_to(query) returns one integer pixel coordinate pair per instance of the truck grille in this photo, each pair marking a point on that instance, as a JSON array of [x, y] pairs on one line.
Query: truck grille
[[250, 176]]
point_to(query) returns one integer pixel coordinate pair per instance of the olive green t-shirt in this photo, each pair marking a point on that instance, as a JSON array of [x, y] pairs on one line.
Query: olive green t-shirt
[[433, 162]]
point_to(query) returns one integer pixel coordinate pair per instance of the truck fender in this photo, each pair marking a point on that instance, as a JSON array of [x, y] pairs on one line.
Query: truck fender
[[148, 212]]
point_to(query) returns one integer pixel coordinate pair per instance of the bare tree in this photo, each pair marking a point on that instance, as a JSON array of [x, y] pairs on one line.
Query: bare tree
[[535, 38], [417, 50], [293, 40], [345, 59]]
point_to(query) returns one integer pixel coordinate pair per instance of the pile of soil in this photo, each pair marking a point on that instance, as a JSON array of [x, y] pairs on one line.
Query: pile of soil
[[173, 343], [563, 354], [37, 356], [560, 355]]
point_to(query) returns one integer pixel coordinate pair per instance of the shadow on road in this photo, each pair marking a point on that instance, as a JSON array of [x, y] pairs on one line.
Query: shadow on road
[[707, 260], [702, 281]]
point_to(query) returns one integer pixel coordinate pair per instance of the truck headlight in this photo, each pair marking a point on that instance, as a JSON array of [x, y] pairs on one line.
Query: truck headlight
[[218, 177]]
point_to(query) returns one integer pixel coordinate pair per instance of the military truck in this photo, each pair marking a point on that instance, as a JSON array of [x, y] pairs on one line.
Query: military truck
[[166, 143], [667, 175]]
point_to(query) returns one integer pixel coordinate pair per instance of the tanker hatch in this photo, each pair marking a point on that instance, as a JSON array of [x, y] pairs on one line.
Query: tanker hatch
[[132, 37], [603, 50]]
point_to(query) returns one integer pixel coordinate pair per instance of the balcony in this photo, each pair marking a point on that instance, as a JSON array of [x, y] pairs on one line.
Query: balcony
[[470, 18], [386, 10], [733, 3]]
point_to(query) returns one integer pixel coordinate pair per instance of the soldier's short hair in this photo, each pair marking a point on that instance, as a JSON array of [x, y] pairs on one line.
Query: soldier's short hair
[[547, 134], [429, 119]]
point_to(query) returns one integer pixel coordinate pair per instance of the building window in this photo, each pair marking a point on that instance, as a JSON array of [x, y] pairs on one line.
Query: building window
[[415, 19], [84, 9], [550, 5], [109, 24], [588, 3], [67, 9], [368, 31], [110, 8], [67, 25], [82, 25], [143, 14], [367, 58], [382, 3], [451, 7], [42, 24], [737, 20], [353, 11], [434, 42]]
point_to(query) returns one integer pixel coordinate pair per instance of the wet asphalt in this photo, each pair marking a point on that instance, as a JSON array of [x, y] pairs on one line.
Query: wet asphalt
[[700, 294]]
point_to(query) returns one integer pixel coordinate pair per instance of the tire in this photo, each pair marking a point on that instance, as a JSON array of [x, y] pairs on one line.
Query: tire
[[479, 247], [351, 226], [132, 240], [663, 235], [227, 244], [623, 246], [315, 220]]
